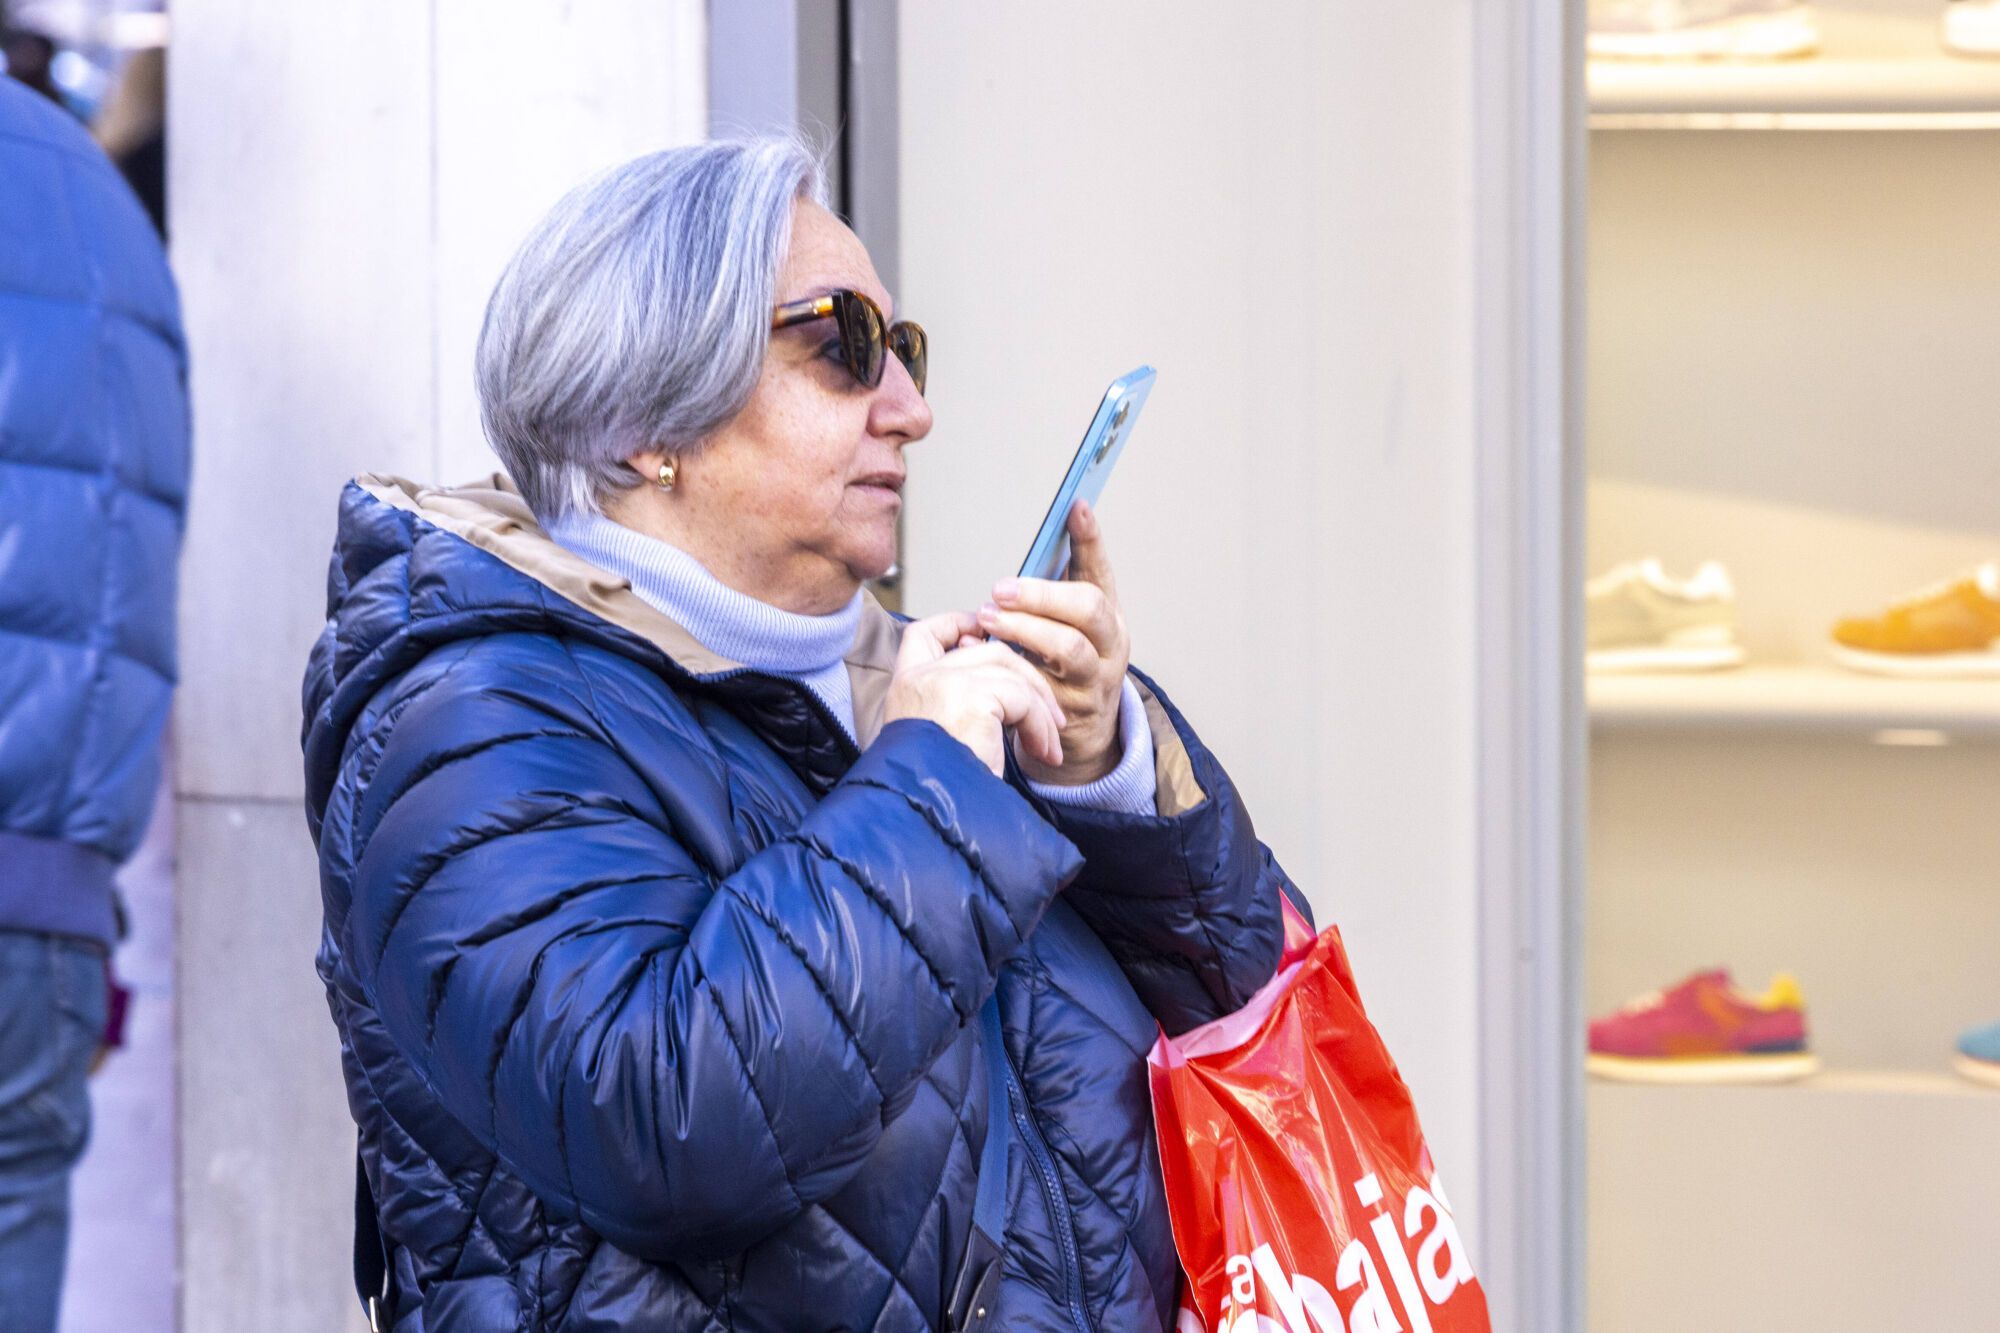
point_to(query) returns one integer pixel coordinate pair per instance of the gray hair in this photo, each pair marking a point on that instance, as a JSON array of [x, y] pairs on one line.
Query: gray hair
[[637, 313]]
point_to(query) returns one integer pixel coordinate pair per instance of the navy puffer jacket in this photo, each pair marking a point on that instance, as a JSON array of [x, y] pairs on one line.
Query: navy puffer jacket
[[657, 1001]]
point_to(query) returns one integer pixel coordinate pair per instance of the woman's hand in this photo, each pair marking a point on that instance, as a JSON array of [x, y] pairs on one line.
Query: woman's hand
[[976, 690], [1076, 637]]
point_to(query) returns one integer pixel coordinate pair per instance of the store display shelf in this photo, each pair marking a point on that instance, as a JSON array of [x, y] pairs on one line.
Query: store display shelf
[[1923, 1084], [1876, 70], [1823, 700], [1823, 1205]]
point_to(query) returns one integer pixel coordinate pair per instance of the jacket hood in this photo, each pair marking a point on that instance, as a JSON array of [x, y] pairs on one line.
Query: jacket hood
[[417, 567]]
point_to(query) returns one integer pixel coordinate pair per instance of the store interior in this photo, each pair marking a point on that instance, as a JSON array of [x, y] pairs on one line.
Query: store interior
[[1794, 306]]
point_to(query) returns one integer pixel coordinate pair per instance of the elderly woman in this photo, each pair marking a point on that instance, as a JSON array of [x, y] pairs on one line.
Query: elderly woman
[[709, 948]]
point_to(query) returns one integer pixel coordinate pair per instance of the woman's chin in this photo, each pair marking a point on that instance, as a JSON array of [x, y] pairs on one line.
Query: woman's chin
[[873, 554], [873, 568]]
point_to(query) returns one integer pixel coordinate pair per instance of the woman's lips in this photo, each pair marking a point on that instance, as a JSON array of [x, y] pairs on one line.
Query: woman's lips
[[891, 487]]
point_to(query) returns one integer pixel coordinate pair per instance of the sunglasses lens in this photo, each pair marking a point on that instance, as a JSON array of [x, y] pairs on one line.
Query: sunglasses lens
[[861, 336], [912, 347]]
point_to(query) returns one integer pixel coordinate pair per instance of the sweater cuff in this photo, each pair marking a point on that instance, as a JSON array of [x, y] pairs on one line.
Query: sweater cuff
[[1129, 788]]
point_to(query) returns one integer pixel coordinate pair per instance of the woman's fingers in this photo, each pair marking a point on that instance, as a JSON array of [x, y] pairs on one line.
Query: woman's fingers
[[1089, 557], [1084, 605], [1044, 692], [953, 628], [976, 689], [966, 683], [1027, 701], [1087, 599], [1034, 715], [1069, 655], [998, 657], [931, 638]]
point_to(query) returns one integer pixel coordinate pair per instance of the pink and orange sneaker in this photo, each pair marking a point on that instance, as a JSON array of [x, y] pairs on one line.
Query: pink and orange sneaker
[[1705, 1031]]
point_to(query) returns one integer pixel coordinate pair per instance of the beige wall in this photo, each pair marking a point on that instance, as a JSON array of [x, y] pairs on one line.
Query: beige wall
[[347, 181], [1792, 364], [1273, 205]]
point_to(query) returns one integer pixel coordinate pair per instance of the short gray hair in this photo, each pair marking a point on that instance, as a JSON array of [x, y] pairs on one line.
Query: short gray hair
[[637, 313]]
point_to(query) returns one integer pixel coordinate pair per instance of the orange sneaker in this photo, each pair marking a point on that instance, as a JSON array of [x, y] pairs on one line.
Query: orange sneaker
[[1952, 629]]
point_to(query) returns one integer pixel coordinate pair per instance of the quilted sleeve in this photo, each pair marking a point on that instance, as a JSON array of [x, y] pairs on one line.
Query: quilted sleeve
[[1186, 900], [683, 1059]]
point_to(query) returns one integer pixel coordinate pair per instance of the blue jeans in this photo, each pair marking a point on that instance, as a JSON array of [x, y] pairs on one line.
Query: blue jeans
[[51, 1016]]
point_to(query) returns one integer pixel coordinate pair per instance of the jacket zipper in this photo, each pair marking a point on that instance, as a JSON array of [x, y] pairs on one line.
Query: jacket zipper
[[1052, 1191], [813, 703], [1017, 1098]]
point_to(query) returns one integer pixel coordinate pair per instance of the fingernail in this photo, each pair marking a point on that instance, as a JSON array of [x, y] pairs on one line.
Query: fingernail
[[1006, 590], [988, 611]]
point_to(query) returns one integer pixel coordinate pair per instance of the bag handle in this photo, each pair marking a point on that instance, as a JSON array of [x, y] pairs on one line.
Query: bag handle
[[1299, 932], [975, 1292], [373, 1270]]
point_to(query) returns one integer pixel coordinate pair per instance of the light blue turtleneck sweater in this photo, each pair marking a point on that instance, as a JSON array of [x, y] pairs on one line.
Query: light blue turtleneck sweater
[[811, 649]]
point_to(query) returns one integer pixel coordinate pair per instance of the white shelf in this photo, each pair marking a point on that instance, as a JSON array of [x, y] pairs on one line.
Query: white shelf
[[1876, 70], [1924, 1084], [1801, 699], [1830, 1205]]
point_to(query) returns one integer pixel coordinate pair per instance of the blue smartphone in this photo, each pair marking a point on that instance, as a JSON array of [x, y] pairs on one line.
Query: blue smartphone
[[1048, 558]]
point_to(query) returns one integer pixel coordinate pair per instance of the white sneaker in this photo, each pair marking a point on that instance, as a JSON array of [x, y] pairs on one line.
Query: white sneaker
[[1704, 29], [1972, 27], [1641, 620]]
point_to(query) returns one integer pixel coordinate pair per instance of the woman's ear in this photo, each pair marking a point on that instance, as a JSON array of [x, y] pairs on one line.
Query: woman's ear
[[646, 462], [656, 467]]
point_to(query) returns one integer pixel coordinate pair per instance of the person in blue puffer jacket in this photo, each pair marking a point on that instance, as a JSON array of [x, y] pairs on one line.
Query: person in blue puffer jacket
[[93, 485], [674, 890]]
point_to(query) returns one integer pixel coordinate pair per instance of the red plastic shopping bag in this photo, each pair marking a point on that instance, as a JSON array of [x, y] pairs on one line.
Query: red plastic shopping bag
[[1302, 1194]]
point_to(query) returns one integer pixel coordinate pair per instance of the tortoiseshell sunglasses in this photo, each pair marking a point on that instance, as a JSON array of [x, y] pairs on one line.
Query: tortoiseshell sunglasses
[[864, 335]]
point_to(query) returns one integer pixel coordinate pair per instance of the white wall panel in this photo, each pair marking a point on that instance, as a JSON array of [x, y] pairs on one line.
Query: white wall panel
[[347, 182], [267, 1148], [1274, 206], [302, 236], [528, 105]]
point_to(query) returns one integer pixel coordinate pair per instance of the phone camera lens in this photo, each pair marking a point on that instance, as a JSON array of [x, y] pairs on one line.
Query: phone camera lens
[[1118, 418]]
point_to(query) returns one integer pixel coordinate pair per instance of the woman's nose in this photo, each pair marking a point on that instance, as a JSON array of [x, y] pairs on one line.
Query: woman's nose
[[898, 408]]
